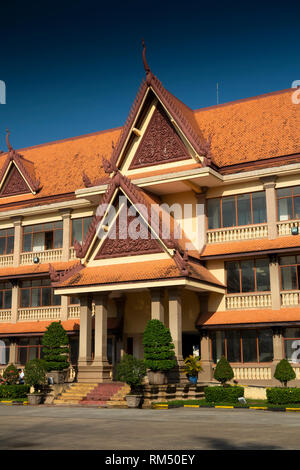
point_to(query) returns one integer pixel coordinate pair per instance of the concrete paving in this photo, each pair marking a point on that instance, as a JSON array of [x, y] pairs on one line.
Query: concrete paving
[[80, 428]]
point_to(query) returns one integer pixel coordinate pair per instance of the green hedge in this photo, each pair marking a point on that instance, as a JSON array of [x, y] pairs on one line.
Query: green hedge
[[223, 394], [14, 391], [281, 396]]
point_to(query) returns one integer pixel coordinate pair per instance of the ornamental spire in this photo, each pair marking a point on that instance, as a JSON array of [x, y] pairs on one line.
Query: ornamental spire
[[146, 65], [7, 141]]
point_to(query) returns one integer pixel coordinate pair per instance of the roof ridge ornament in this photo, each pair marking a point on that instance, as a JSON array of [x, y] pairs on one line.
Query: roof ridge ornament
[[149, 74], [10, 149]]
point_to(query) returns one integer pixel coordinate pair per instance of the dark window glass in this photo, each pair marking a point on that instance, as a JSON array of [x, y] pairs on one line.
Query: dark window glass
[[285, 209], [48, 240], [297, 208], [10, 245], [36, 297], [7, 299], [56, 299], [2, 246], [244, 209], [284, 192], [233, 346], [228, 211], [58, 238], [233, 277], [27, 242], [46, 296], [249, 338], [77, 230], [217, 345], [262, 275], [214, 213], [259, 208], [247, 275], [25, 298], [86, 224], [288, 278], [265, 345]]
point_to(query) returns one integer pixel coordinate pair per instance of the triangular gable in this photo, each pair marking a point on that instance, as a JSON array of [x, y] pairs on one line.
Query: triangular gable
[[160, 142], [17, 176]]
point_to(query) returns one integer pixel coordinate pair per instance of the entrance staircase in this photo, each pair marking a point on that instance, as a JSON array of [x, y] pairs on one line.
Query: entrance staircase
[[111, 394]]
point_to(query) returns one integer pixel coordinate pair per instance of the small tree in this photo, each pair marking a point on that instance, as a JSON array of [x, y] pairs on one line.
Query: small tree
[[35, 374], [284, 372], [158, 347], [56, 350], [223, 371], [11, 375], [192, 365], [132, 371]]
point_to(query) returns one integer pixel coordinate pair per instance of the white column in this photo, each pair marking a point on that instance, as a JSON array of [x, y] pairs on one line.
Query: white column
[[157, 304], [66, 216], [17, 240], [85, 332], [100, 363], [175, 321]]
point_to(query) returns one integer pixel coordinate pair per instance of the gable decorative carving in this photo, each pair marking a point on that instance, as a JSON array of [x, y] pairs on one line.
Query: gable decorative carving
[[15, 184], [160, 143], [124, 242]]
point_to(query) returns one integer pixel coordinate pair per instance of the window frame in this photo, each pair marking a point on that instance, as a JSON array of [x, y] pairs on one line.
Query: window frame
[[297, 266], [292, 196], [83, 234], [6, 236], [240, 277], [235, 196], [2, 292], [43, 230], [41, 287]]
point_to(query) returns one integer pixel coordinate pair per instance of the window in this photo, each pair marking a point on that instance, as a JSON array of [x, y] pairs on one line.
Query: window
[[38, 293], [4, 351], [29, 348], [5, 295], [290, 272], [292, 344], [80, 228], [74, 300], [232, 211], [43, 236], [242, 345], [6, 241], [248, 276], [288, 203]]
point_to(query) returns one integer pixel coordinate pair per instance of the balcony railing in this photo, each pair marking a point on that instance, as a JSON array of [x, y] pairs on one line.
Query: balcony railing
[[252, 373], [46, 256], [240, 301], [74, 311], [39, 313], [5, 315], [72, 253], [290, 298], [248, 232], [285, 228], [6, 260]]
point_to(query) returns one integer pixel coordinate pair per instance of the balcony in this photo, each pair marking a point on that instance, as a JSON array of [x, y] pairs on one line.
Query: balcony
[[247, 232], [5, 315], [73, 311], [6, 260], [255, 300], [252, 372], [290, 298], [285, 228], [39, 313], [46, 256]]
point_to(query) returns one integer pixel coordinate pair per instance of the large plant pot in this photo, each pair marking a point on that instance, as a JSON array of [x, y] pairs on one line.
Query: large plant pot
[[133, 401], [34, 398], [156, 378], [58, 376], [193, 379]]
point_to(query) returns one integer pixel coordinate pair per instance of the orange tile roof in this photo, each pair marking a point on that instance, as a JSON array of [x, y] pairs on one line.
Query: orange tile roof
[[232, 317], [248, 246], [35, 327], [35, 268], [252, 129], [138, 271], [163, 171]]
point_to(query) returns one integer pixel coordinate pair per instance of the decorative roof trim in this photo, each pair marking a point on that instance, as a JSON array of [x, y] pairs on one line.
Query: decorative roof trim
[[58, 277]]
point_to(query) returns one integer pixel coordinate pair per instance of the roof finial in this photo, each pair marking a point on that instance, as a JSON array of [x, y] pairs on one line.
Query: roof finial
[[7, 141], [146, 66]]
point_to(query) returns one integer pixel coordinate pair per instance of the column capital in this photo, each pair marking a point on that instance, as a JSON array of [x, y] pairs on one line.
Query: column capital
[[65, 213], [17, 219], [202, 195], [269, 181]]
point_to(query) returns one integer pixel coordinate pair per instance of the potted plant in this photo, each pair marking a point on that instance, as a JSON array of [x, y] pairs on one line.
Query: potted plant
[[11, 375], [158, 351], [35, 376], [192, 366], [132, 371], [56, 351]]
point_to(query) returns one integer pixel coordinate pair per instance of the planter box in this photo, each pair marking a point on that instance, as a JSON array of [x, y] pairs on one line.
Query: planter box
[[34, 398], [133, 401], [156, 378]]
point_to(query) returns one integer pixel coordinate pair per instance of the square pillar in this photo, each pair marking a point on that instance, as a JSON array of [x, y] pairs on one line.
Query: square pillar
[[201, 218], [100, 358], [17, 240], [278, 348], [269, 183], [275, 282], [12, 353], [207, 374], [85, 332], [64, 307], [175, 321], [14, 302], [66, 216], [157, 304]]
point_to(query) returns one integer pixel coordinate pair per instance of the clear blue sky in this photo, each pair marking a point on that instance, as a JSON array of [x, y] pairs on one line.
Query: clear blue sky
[[73, 67]]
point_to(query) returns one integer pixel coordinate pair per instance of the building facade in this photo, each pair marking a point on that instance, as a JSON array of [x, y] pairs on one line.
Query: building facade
[[190, 217]]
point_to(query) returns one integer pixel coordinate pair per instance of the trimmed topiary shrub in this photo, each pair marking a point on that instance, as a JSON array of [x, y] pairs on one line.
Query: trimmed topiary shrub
[[158, 347], [132, 371], [223, 394], [284, 372], [282, 396], [11, 375], [35, 374], [13, 391], [223, 372], [56, 347]]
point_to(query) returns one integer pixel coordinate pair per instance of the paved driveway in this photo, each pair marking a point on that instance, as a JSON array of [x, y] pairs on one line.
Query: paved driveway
[[92, 428]]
